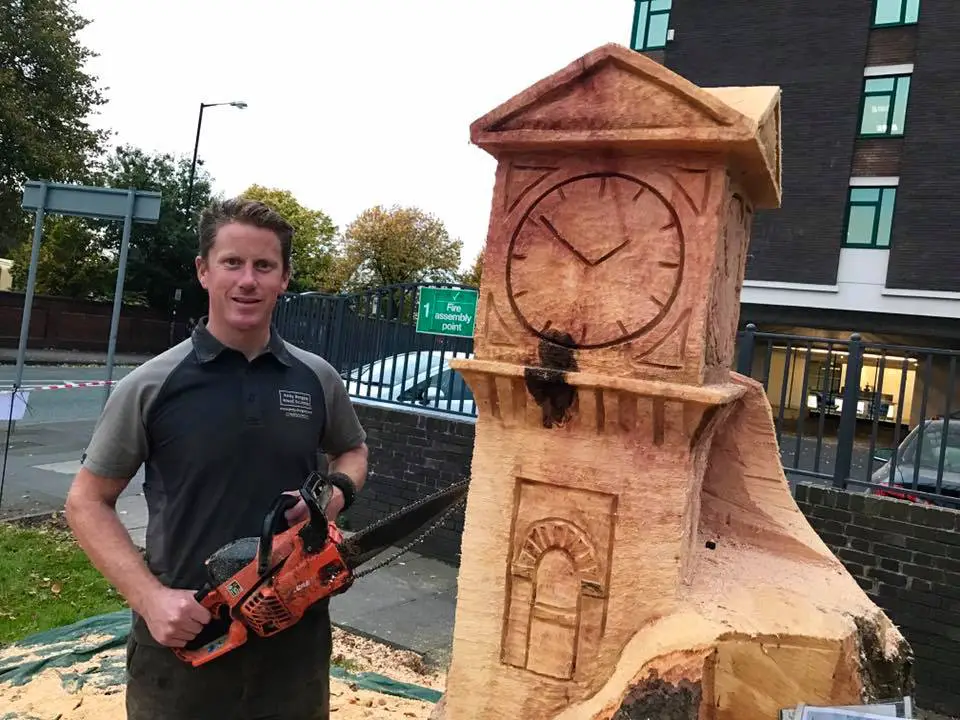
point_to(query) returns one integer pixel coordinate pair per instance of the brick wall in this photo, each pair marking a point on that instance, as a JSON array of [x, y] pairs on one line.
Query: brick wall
[[817, 58], [924, 246], [907, 558], [413, 455]]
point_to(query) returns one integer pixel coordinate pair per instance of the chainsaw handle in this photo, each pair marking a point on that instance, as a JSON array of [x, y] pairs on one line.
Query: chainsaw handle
[[273, 522]]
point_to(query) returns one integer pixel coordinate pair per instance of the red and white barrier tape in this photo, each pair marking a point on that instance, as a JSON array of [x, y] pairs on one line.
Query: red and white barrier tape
[[63, 386]]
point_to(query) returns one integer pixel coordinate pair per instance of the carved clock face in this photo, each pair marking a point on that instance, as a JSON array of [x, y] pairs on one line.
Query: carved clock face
[[596, 261]]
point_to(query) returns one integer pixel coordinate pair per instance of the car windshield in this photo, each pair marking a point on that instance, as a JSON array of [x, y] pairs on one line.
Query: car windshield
[[393, 370], [934, 439]]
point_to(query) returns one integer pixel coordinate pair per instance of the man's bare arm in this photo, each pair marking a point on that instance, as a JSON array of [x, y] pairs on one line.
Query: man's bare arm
[[91, 513], [352, 463], [173, 616]]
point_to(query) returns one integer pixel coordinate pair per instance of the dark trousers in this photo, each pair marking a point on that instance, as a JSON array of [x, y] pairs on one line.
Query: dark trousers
[[284, 677]]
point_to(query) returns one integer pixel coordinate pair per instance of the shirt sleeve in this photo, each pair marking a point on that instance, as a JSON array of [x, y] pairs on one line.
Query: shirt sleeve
[[343, 429], [119, 445]]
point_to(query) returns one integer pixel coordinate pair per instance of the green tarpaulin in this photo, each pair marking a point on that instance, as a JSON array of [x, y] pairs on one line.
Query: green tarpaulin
[[80, 642]]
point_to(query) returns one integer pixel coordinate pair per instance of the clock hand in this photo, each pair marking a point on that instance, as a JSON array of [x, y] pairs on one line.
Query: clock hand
[[558, 236], [613, 252]]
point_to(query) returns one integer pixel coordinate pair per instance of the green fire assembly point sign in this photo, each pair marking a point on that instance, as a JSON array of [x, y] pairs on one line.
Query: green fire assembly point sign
[[447, 311]]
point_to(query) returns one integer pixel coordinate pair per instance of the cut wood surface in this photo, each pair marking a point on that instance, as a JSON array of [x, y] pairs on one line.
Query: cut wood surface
[[631, 548]]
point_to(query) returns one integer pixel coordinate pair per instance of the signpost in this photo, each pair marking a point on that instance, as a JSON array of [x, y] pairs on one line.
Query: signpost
[[86, 201], [447, 311]]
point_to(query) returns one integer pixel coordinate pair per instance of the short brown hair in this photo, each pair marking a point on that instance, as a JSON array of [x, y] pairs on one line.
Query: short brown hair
[[248, 212]]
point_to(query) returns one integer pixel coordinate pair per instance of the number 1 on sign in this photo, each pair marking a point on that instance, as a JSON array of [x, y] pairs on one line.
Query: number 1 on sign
[[426, 310]]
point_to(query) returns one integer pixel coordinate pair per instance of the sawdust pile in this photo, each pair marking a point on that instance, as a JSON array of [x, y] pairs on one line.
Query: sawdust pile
[[359, 654], [348, 703], [51, 694]]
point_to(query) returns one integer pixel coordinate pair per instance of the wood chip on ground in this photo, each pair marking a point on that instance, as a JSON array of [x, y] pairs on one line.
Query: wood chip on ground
[[45, 695]]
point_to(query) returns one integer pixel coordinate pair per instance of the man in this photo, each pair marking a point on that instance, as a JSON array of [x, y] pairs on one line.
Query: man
[[223, 423]]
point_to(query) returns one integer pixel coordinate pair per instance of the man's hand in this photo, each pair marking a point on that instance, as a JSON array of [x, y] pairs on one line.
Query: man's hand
[[174, 617], [299, 513]]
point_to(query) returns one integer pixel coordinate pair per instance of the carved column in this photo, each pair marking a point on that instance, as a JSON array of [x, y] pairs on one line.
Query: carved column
[[598, 556]]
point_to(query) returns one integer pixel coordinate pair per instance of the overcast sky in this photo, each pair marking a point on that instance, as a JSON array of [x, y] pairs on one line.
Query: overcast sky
[[352, 103]]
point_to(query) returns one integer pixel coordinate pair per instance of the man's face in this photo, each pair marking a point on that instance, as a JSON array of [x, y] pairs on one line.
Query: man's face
[[243, 276]]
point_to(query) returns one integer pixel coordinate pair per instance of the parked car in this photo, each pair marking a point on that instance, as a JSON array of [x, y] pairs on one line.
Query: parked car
[[905, 462], [422, 378]]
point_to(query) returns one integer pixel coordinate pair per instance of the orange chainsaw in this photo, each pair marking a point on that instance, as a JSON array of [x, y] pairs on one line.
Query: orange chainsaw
[[266, 584]]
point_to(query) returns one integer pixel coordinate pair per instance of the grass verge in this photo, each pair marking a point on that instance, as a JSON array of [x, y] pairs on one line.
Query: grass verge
[[46, 581]]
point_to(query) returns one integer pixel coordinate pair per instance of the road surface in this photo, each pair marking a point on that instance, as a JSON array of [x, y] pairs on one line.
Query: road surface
[[46, 406], [46, 444]]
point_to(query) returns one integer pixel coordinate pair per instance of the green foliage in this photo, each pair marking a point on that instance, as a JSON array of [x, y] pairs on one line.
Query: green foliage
[[314, 253], [78, 258], [71, 261], [475, 272], [161, 257], [399, 245], [46, 99]]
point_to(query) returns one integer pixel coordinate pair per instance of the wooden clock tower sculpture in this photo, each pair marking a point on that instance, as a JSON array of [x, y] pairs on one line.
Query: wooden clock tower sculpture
[[631, 548]]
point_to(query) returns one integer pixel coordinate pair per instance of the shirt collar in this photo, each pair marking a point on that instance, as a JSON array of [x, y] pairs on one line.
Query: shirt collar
[[209, 348]]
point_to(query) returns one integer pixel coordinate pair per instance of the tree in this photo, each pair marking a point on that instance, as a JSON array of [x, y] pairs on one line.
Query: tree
[[314, 254], [46, 99], [161, 256], [399, 245], [78, 258], [473, 275], [71, 262]]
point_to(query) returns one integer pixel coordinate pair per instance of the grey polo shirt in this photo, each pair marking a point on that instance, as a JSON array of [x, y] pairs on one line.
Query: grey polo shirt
[[220, 437]]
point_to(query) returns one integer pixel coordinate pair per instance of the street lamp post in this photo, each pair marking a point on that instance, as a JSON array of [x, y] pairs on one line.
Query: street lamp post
[[193, 168], [196, 143]]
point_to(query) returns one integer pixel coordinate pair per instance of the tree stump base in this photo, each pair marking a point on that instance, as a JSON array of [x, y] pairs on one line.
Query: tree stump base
[[769, 617]]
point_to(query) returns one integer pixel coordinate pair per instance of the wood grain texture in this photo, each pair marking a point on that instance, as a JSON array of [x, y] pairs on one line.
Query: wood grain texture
[[613, 97], [631, 548]]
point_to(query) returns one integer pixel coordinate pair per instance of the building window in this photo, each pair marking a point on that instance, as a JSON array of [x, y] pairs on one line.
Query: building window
[[870, 217], [650, 24], [895, 12], [884, 105]]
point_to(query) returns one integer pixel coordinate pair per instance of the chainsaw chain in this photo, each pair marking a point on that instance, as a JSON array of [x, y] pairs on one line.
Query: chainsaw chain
[[404, 549]]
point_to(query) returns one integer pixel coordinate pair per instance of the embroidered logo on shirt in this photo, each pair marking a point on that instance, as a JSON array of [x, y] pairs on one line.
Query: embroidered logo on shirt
[[296, 404]]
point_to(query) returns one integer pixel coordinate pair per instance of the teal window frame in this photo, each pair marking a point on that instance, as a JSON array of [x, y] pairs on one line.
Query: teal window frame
[[645, 14], [909, 12], [869, 212], [895, 89]]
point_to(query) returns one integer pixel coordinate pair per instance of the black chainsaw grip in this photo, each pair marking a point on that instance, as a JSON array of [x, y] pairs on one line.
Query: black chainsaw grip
[[273, 522]]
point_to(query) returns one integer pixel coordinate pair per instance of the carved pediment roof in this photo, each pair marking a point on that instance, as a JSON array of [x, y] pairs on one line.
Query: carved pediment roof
[[615, 97]]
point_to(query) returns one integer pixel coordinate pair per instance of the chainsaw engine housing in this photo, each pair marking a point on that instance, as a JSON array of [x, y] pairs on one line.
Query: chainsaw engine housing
[[300, 580]]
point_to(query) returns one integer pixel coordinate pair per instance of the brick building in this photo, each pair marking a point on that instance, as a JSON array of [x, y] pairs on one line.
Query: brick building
[[868, 236]]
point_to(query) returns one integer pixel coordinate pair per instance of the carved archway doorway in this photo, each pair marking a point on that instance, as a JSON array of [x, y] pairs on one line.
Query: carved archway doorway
[[554, 574]]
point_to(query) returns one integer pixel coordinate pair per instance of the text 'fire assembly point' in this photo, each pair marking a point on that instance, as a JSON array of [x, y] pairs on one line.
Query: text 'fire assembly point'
[[447, 311]]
